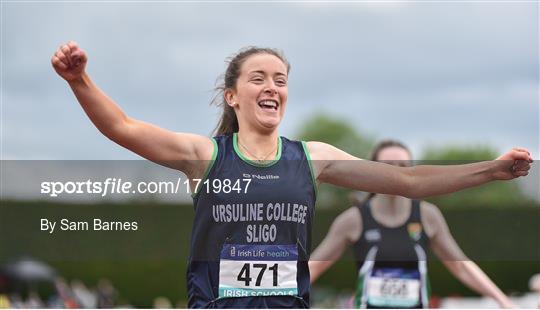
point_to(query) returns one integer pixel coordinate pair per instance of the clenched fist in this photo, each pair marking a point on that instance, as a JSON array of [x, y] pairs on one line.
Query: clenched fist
[[69, 61], [513, 164]]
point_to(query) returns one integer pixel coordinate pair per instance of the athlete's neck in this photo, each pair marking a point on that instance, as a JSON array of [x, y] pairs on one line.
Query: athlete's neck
[[258, 146], [391, 209]]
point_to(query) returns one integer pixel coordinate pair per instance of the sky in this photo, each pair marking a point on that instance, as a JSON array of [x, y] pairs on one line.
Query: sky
[[427, 73]]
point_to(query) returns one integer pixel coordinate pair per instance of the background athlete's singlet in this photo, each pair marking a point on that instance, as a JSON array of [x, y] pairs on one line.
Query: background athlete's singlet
[[391, 262], [249, 248]]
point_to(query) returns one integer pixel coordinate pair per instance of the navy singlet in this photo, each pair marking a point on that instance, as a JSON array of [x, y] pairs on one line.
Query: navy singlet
[[251, 238], [391, 262]]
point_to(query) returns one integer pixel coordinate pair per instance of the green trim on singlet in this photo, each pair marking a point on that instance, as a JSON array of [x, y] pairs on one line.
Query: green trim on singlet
[[359, 291], [314, 180], [255, 163], [428, 289], [210, 165]]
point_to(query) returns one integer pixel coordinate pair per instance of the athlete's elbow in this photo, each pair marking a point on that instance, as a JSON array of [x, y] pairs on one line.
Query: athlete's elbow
[[118, 131], [459, 267]]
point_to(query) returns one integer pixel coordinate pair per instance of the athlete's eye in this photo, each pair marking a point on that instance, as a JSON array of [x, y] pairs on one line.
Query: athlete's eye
[[281, 82], [257, 80]]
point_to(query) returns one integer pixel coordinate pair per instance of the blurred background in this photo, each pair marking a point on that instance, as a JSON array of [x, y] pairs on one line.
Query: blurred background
[[457, 82]]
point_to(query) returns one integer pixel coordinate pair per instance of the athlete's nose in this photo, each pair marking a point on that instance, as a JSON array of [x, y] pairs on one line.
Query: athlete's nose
[[270, 91]]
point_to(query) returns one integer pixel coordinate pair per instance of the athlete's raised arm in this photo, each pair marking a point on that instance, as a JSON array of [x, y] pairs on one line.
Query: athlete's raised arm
[[344, 231], [448, 251], [175, 150], [337, 167]]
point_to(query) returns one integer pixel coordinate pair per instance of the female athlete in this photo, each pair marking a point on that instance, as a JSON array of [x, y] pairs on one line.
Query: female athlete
[[250, 240], [389, 236]]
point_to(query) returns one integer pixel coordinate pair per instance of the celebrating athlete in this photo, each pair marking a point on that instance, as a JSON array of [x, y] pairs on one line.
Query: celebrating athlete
[[249, 244]]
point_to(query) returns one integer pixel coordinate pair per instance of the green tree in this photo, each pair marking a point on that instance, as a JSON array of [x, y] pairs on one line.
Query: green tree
[[341, 134]]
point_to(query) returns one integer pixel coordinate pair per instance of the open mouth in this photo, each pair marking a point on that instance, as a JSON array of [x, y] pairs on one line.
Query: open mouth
[[269, 104]]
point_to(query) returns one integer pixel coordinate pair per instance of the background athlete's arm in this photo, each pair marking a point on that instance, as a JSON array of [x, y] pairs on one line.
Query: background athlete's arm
[[176, 150], [344, 231], [447, 250], [337, 167]]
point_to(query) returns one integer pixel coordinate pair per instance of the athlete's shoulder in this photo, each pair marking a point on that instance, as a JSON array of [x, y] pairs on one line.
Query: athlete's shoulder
[[299, 144], [429, 209], [318, 149], [325, 151], [349, 223], [293, 149], [431, 217], [285, 139], [222, 137], [223, 141]]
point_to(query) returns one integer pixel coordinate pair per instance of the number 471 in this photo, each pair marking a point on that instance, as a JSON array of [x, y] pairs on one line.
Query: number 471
[[244, 275]]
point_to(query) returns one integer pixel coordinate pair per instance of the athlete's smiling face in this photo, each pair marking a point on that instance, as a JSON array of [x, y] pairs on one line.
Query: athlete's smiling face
[[260, 95]]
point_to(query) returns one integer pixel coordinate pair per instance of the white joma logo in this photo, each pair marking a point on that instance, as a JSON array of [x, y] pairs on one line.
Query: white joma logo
[[260, 177]]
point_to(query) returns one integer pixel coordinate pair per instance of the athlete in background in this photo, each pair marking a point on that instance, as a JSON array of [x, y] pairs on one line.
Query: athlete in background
[[389, 236]]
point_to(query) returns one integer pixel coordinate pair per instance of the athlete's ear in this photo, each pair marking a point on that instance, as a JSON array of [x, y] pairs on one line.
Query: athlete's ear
[[230, 97]]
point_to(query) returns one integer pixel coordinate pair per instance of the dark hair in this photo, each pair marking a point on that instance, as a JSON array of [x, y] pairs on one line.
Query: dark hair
[[360, 198], [228, 122]]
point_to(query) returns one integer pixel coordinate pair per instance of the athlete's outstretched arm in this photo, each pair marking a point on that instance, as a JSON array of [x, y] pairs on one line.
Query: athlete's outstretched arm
[[447, 250], [175, 150], [344, 231], [337, 167]]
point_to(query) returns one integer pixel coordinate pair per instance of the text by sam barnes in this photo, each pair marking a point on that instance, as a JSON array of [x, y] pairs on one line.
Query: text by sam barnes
[[95, 225]]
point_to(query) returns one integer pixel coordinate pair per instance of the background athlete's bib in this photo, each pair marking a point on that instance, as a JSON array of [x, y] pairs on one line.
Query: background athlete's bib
[[393, 287]]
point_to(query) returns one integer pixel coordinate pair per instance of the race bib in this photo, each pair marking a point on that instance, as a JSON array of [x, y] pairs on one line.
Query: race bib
[[393, 287], [257, 270]]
